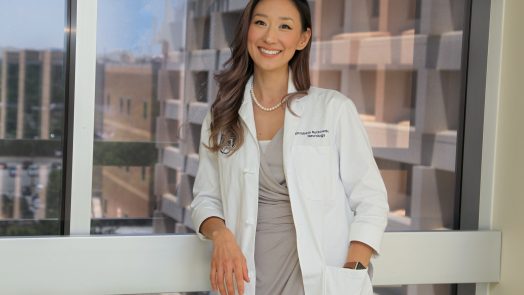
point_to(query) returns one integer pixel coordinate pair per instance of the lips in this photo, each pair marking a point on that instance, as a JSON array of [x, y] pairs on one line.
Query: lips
[[269, 51]]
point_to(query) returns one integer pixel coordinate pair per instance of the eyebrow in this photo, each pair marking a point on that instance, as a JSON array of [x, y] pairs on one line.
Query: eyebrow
[[282, 17]]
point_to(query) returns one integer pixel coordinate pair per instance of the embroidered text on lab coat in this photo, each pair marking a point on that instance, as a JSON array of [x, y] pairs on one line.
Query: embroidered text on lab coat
[[313, 133]]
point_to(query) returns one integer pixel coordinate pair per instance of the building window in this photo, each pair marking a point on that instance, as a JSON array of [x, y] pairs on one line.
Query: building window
[[144, 114], [12, 100], [33, 99], [121, 104]]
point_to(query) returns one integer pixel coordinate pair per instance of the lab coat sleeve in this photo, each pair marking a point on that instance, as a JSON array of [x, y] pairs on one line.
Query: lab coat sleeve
[[361, 178], [207, 200]]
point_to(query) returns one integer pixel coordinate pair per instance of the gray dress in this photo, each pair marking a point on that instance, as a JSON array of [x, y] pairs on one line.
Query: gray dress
[[276, 257]]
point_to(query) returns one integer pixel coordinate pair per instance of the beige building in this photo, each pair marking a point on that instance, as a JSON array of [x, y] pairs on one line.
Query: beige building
[[125, 113]]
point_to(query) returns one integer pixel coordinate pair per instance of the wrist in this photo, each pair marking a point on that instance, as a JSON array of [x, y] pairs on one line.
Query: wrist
[[217, 233], [355, 265]]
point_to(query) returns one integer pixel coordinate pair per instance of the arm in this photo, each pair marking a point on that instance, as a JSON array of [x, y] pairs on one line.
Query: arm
[[360, 252], [228, 264], [363, 185], [207, 200], [212, 226]]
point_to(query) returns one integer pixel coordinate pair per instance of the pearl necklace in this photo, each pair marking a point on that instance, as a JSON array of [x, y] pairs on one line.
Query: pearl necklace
[[270, 109]]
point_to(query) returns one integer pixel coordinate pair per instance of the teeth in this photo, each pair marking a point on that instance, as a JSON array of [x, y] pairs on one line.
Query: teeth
[[272, 52]]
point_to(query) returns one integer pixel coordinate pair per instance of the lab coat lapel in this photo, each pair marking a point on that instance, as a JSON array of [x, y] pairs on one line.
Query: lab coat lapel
[[246, 110], [291, 121]]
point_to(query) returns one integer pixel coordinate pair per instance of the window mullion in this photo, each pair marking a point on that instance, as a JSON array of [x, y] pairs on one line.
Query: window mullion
[[83, 35]]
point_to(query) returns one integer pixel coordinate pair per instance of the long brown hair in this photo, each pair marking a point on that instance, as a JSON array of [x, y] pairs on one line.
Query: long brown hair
[[226, 131]]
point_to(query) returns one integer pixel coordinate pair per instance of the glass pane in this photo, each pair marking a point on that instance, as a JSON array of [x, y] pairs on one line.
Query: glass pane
[[131, 181], [401, 65], [32, 94]]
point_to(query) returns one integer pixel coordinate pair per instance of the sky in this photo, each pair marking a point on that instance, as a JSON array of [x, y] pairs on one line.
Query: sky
[[129, 25], [34, 24], [123, 25]]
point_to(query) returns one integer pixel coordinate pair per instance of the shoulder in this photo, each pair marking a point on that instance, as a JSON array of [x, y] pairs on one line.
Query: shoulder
[[329, 100]]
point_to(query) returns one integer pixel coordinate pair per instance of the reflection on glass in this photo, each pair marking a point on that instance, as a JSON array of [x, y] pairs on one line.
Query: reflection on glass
[[401, 65], [130, 116], [31, 116]]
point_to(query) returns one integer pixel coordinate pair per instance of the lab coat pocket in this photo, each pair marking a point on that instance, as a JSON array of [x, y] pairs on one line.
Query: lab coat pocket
[[314, 171], [343, 281]]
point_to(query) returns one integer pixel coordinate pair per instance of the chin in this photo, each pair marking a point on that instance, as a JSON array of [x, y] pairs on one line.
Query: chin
[[271, 67]]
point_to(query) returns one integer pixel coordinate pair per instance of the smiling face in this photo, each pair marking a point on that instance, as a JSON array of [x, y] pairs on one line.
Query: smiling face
[[275, 34]]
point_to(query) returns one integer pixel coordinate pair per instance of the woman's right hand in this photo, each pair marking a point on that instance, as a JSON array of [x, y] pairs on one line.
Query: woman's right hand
[[228, 263]]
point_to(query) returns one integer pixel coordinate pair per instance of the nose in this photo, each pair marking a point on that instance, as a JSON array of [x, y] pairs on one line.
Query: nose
[[270, 36]]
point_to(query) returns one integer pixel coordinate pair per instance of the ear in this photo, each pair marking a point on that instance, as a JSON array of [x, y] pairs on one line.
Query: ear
[[304, 39]]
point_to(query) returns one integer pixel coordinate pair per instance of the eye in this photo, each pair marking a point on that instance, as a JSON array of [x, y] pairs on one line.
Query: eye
[[285, 26], [259, 22]]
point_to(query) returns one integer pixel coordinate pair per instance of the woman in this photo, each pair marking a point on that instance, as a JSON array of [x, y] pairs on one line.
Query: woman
[[287, 188]]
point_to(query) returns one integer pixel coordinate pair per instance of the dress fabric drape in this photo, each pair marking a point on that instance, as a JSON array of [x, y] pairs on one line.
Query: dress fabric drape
[[276, 258]]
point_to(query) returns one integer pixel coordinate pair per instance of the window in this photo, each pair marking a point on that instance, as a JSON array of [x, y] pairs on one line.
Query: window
[[131, 72], [32, 116]]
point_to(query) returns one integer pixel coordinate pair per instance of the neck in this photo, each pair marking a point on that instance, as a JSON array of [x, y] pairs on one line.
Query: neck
[[270, 87]]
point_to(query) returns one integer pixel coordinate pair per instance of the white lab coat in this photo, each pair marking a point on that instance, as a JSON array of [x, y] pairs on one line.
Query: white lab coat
[[336, 192]]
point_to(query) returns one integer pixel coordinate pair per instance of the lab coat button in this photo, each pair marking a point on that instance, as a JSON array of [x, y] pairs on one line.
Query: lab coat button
[[250, 221]]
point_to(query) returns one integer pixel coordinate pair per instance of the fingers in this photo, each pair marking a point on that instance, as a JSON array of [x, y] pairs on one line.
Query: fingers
[[220, 281], [238, 277], [244, 271], [229, 279], [228, 266], [224, 280], [213, 277]]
